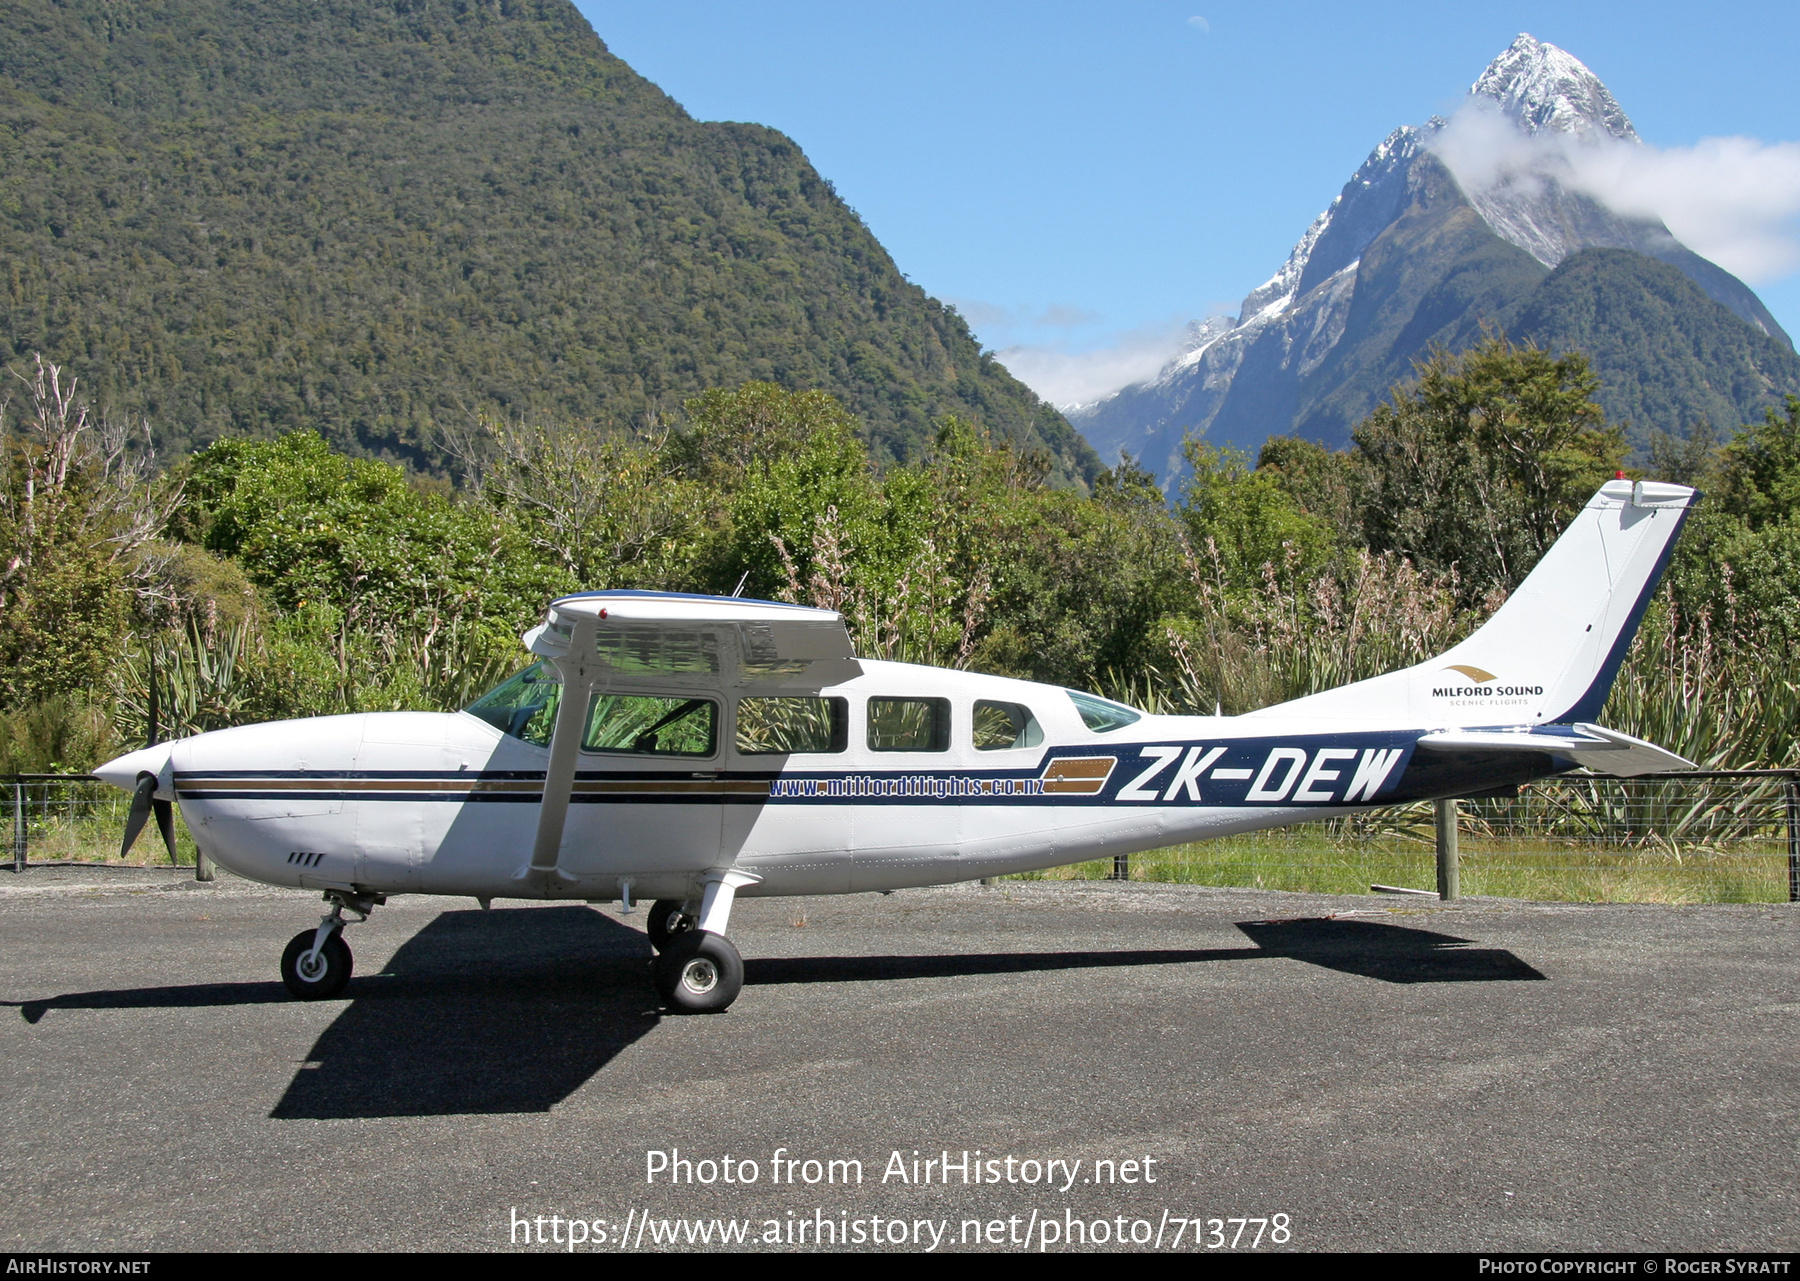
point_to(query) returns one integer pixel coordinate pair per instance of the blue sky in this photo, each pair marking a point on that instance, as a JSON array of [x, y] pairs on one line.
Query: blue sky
[[1081, 176]]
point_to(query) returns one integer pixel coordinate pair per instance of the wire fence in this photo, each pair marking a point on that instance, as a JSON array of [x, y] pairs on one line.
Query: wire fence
[[75, 818], [1726, 836], [1719, 836]]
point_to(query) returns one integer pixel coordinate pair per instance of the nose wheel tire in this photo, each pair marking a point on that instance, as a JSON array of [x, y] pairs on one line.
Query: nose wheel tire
[[320, 977], [699, 973], [666, 921]]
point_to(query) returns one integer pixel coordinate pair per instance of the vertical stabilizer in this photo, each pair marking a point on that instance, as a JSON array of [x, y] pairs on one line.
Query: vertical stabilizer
[[1551, 653]]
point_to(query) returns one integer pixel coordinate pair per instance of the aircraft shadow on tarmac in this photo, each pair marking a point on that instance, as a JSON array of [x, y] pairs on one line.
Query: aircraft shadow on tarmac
[[1392, 953], [479, 1012], [513, 1011], [482, 1012]]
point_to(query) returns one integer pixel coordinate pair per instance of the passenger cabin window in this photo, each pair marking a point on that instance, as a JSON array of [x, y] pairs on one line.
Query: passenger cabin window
[[998, 726], [523, 706], [1102, 716], [782, 726], [647, 725], [909, 724]]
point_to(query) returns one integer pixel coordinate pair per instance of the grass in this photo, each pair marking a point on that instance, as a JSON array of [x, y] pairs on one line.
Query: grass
[[1313, 860]]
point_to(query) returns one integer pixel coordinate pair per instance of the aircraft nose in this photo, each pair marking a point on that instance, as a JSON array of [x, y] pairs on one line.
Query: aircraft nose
[[123, 772]]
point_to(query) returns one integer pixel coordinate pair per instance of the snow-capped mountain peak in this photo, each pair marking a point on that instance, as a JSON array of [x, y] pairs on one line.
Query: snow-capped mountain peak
[[1313, 346], [1300, 272], [1546, 89]]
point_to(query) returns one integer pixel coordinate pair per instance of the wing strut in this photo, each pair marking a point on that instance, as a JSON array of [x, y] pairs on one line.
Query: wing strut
[[559, 773]]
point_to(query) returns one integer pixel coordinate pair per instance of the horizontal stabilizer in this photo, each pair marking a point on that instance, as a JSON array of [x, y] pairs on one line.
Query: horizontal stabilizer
[[1605, 751]]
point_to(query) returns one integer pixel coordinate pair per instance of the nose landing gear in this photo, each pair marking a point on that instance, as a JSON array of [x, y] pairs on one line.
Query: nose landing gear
[[316, 964]]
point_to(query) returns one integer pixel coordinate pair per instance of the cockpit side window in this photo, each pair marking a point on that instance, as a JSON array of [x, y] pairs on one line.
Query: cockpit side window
[[649, 725], [524, 705], [998, 726]]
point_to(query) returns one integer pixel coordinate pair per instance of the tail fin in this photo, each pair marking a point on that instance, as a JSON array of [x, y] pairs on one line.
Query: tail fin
[[1551, 653]]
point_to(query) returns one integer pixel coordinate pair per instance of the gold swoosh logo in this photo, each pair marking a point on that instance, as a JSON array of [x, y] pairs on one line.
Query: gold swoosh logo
[[1473, 673]]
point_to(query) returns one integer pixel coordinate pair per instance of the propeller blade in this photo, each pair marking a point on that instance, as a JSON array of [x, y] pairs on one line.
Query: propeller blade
[[139, 813], [165, 823]]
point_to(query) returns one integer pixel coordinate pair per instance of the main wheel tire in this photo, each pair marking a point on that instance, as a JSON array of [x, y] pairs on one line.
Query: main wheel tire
[[666, 921], [699, 973], [329, 972]]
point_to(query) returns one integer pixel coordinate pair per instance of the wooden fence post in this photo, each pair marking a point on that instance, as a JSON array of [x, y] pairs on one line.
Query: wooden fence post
[[1448, 873], [1793, 818]]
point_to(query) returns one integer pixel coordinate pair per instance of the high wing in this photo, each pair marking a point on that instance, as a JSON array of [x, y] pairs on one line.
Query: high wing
[[626, 638]]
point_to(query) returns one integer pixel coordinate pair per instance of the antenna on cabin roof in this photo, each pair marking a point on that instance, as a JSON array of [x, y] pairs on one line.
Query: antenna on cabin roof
[[739, 589]]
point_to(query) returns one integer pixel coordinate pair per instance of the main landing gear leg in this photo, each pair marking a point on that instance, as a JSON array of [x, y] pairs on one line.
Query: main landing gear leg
[[699, 971], [669, 917], [316, 964]]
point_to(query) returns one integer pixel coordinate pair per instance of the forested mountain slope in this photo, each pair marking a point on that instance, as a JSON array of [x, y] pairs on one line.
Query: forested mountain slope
[[373, 218]]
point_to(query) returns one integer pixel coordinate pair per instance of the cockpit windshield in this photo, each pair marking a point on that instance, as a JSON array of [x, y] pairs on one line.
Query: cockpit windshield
[[524, 705]]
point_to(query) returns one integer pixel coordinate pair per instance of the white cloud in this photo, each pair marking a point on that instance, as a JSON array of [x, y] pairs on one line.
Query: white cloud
[[982, 315], [1733, 200], [1067, 379], [996, 316], [1063, 316]]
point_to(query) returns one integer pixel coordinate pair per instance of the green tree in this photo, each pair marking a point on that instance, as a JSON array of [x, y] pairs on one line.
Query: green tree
[[755, 425], [1243, 522], [1759, 469], [1321, 482], [605, 511], [1737, 567], [1481, 461], [77, 511], [387, 593], [1080, 586], [800, 509]]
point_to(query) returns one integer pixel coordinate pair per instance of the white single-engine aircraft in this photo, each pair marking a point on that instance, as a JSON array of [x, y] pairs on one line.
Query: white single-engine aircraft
[[691, 749]]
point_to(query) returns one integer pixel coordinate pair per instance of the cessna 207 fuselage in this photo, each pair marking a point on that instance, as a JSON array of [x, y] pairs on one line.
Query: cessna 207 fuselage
[[690, 749]]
